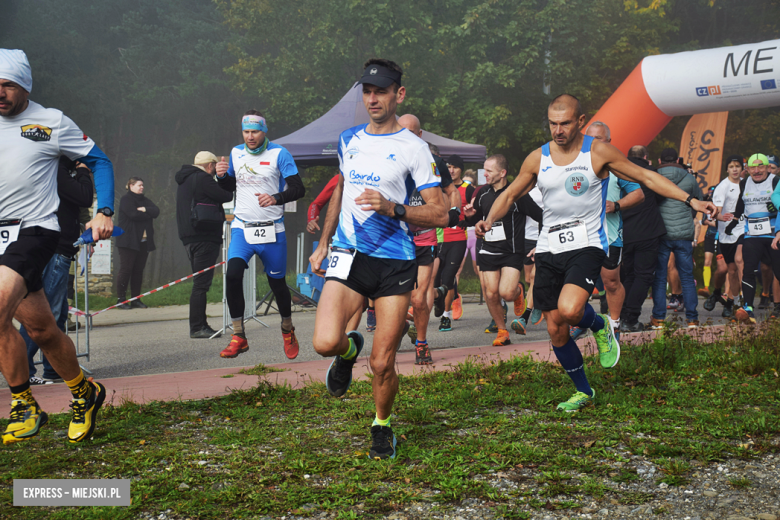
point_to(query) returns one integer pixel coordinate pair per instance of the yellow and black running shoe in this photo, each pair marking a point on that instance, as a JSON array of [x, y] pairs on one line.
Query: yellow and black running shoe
[[85, 414], [26, 421]]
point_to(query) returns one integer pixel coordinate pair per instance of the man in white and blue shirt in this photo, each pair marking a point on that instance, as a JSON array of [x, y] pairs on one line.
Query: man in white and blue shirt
[[373, 254], [264, 177]]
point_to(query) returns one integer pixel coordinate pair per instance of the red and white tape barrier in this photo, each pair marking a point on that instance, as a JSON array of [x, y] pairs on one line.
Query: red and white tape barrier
[[82, 313]]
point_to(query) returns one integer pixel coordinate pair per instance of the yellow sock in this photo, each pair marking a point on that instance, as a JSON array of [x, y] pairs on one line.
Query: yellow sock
[[25, 395], [80, 387], [381, 422], [707, 272]]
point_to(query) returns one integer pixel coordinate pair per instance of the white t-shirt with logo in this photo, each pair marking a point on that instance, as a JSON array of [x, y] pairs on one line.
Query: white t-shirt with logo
[[392, 164], [262, 173], [532, 226], [726, 196], [32, 143]]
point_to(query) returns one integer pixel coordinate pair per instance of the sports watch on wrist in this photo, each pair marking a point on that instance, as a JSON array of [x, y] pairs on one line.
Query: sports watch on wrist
[[399, 212], [617, 206], [688, 200], [106, 211]]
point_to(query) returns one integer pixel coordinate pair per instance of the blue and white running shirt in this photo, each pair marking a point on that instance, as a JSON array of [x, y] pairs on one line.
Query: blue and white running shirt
[[262, 173], [393, 165]]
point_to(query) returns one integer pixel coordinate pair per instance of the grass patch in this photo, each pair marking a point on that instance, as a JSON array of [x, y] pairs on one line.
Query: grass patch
[[259, 370], [740, 483], [487, 430]]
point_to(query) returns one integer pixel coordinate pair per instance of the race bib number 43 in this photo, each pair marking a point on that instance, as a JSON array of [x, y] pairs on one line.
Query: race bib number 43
[[567, 237], [759, 226], [9, 232], [259, 232], [340, 263]]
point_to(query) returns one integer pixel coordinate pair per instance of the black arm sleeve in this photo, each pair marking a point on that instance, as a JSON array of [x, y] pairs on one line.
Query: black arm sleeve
[[469, 193], [530, 208], [228, 183], [78, 190], [294, 191]]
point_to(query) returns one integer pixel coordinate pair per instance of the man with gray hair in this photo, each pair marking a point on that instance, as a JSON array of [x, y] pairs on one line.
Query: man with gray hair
[[33, 140], [199, 217]]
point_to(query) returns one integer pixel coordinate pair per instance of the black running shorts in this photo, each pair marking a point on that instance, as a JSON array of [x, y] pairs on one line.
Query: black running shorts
[[613, 259], [30, 254], [424, 255], [581, 268], [529, 246], [710, 244], [487, 262], [377, 277], [729, 251]]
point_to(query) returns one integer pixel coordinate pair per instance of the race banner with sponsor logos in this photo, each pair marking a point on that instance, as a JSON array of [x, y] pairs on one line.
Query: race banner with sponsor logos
[[695, 82]]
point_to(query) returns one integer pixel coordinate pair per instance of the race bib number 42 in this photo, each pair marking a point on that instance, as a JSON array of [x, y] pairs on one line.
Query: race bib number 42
[[9, 232], [340, 263], [567, 237], [259, 232]]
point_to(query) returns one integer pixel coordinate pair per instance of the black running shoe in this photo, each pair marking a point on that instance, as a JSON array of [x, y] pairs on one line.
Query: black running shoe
[[775, 312], [764, 302], [383, 443], [709, 303], [438, 301], [445, 325], [339, 375], [728, 309]]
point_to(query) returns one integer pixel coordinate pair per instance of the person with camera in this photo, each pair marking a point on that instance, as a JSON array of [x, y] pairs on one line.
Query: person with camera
[[199, 217]]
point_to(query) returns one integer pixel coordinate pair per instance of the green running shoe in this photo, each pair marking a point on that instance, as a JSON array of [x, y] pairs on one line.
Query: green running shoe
[[492, 328], [609, 348], [576, 402]]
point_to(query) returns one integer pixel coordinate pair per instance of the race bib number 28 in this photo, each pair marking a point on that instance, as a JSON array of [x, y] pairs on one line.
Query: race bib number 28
[[9, 232], [340, 263]]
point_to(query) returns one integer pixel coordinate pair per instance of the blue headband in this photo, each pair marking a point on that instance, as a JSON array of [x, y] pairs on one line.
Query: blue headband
[[253, 122]]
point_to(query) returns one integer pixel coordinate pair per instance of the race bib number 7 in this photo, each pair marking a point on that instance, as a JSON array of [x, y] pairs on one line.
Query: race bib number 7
[[496, 233], [340, 263], [259, 232], [9, 232], [567, 237]]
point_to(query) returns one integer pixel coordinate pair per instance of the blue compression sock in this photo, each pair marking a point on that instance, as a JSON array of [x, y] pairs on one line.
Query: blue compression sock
[[570, 358], [591, 320]]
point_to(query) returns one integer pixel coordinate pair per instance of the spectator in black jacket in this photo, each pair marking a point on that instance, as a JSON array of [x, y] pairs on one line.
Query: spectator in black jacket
[[643, 228], [136, 214], [74, 187], [201, 239]]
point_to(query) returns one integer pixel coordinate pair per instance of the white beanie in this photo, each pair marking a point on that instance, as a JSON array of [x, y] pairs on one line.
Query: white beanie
[[15, 67]]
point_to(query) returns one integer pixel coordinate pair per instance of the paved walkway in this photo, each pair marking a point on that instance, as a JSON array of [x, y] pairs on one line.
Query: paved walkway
[[201, 384]]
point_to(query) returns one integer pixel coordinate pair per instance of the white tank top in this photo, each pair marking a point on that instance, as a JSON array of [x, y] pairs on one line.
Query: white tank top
[[574, 203]]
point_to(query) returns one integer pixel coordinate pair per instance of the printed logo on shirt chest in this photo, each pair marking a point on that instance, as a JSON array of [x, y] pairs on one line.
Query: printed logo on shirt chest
[[576, 184], [36, 133]]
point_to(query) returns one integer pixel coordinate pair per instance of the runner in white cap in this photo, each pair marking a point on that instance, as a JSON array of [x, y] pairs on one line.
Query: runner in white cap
[[33, 140]]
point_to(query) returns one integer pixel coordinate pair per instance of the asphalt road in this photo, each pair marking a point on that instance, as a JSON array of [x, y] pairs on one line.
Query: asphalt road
[[164, 346]]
